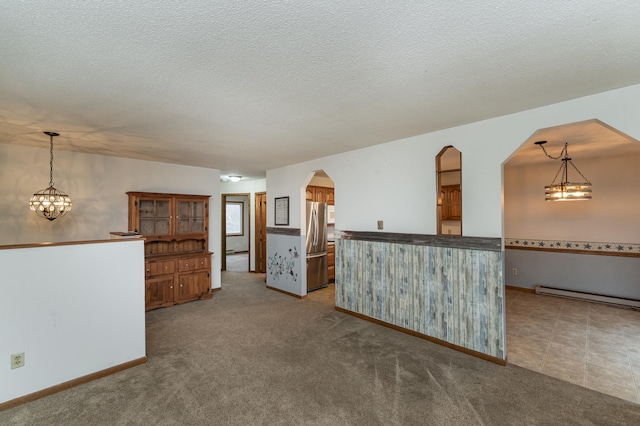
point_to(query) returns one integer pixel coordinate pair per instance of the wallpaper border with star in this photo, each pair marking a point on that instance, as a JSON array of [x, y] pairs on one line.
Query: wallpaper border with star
[[579, 247]]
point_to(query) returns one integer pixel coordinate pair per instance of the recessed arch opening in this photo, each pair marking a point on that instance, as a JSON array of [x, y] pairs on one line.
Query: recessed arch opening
[[449, 190], [318, 213]]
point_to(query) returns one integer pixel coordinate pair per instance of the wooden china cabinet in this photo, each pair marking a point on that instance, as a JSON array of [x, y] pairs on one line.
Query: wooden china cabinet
[[176, 247]]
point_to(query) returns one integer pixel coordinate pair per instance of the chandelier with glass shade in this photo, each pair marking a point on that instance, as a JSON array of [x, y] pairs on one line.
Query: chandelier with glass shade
[[565, 190], [50, 203]]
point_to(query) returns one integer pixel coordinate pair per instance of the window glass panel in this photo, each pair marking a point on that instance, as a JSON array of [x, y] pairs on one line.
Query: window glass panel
[[154, 217], [235, 218], [147, 208], [162, 209], [147, 226], [162, 227], [197, 225], [190, 217]]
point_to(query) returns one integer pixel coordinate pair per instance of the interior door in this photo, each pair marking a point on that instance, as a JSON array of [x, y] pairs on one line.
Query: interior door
[[261, 232], [223, 233]]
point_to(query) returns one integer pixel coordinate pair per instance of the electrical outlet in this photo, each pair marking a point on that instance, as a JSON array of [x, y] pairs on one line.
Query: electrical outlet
[[17, 360], [403, 304], [380, 224], [514, 271]]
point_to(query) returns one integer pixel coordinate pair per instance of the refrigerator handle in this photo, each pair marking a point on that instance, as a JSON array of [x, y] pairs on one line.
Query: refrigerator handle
[[315, 225], [316, 255]]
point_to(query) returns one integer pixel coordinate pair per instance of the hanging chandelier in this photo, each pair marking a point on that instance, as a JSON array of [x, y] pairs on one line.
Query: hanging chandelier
[[565, 190], [50, 203]]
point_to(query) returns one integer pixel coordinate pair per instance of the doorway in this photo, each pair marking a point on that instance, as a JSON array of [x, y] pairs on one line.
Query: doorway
[[575, 340], [320, 208], [236, 241]]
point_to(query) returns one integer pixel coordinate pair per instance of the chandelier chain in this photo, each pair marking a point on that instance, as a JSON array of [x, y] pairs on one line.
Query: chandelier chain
[[579, 172], [564, 152], [557, 173], [51, 161]]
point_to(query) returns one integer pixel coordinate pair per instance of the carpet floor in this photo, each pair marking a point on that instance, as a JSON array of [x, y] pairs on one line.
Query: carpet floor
[[238, 262], [253, 356]]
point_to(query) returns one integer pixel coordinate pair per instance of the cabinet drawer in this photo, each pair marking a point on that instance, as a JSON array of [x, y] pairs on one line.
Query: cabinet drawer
[[160, 267], [193, 263]]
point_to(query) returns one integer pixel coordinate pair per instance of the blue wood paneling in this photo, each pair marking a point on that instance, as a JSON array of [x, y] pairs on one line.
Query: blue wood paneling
[[452, 294]]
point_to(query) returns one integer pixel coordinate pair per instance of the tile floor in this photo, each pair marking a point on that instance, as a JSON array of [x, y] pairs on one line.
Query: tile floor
[[589, 344]]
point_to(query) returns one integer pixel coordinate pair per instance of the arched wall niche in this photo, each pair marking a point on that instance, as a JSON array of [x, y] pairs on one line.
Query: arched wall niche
[[449, 190]]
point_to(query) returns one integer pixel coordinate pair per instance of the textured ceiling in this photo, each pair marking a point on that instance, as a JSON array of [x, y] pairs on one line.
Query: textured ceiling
[[249, 86]]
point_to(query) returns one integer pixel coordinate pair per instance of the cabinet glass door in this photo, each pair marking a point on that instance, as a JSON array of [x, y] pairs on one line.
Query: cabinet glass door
[[190, 218], [154, 216]]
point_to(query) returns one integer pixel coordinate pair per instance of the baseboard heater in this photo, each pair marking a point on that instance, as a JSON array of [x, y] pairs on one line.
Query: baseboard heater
[[609, 300]]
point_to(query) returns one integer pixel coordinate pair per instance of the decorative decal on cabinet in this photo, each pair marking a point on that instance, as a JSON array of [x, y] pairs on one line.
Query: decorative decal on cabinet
[[281, 266]]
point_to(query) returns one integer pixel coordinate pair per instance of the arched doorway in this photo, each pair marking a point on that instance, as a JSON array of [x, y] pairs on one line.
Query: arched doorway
[[576, 247], [320, 227]]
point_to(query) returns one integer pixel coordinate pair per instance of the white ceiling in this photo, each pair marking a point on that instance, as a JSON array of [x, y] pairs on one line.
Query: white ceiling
[[253, 85]]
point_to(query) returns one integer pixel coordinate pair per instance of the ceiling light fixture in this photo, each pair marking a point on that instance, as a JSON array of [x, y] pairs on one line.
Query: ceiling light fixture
[[50, 203], [565, 190], [235, 178]]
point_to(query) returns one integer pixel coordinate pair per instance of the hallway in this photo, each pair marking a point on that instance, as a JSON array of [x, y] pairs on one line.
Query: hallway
[[238, 262]]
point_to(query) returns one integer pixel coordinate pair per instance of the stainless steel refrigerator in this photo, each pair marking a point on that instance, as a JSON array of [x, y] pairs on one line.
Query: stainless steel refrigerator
[[317, 259]]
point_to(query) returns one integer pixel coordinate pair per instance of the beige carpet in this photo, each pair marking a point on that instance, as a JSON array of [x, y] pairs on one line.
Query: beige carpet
[[238, 262], [253, 356]]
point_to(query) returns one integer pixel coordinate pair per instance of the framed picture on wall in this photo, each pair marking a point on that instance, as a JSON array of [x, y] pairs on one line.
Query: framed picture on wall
[[282, 211]]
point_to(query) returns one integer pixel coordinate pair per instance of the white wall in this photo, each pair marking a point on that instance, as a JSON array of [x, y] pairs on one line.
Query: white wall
[[588, 273], [97, 185], [73, 310], [250, 187], [395, 182], [611, 216]]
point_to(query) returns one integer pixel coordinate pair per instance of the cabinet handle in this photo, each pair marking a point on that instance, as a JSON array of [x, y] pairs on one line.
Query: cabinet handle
[[166, 267], [171, 287], [180, 285], [186, 264], [147, 270]]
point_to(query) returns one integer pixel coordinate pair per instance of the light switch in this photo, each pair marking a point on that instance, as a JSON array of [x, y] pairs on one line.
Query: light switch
[[380, 225]]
